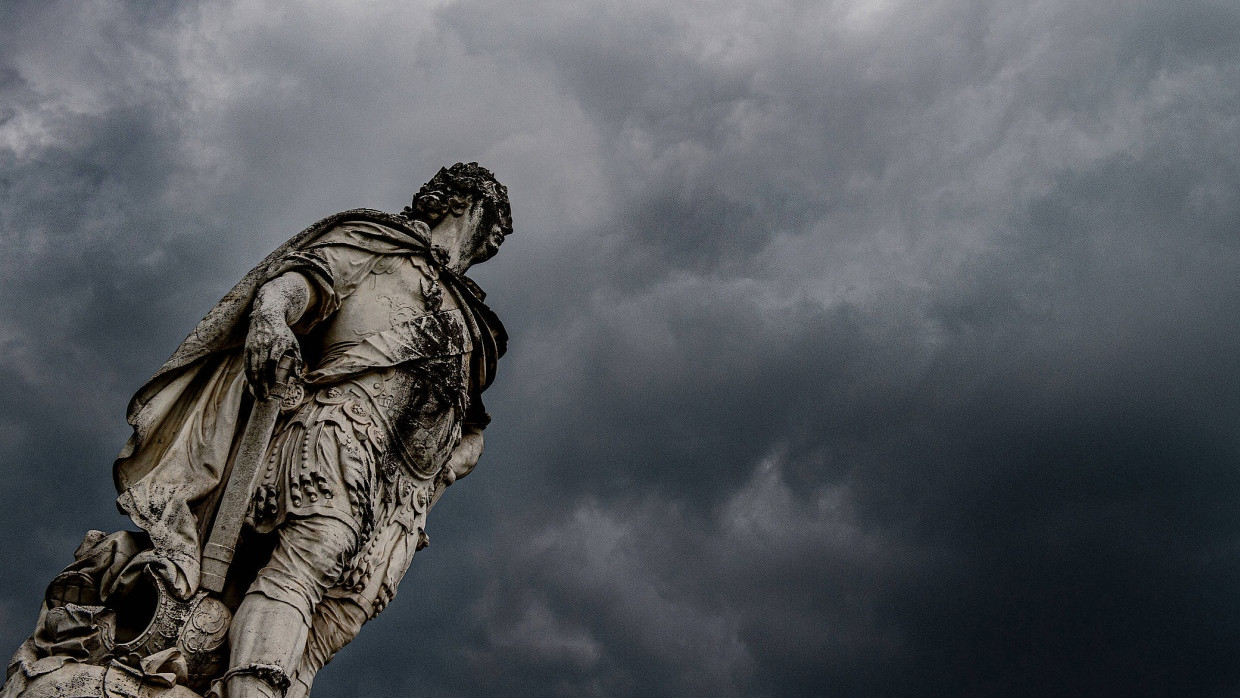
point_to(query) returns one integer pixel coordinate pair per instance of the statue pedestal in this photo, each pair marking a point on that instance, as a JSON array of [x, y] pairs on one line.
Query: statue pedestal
[[60, 677]]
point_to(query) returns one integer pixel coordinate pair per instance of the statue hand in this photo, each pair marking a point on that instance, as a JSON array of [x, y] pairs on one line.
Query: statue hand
[[465, 456], [269, 339]]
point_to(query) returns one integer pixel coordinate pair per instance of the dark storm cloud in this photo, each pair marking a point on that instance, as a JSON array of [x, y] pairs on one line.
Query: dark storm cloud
[[87, 136], [870, 348]]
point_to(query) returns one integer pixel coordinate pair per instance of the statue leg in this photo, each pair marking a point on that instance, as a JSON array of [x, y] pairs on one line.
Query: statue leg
[[336, 622], [270, 628]]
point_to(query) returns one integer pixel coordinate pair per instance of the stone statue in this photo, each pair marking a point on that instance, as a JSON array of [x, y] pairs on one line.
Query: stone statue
[[284, 460]]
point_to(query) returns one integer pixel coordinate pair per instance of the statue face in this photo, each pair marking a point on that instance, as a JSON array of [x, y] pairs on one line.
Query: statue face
[[467, 236], [487, 239], [484, 235]]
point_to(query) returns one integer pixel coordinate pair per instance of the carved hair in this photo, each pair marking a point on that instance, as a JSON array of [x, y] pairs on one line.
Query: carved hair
[[447, 191]]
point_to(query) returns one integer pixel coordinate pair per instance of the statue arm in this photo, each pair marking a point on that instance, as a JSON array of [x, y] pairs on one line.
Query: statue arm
[[278, 304], [310, 288], [465, 456]]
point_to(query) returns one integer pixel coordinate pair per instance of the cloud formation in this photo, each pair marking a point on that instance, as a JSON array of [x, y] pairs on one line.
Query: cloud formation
[[864, 347]]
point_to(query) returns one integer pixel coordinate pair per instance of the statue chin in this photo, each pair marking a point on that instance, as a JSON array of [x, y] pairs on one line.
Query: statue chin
[[486, 249]]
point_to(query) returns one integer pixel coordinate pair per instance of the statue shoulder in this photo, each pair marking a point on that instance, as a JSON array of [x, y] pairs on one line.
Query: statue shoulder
[[369, 236]]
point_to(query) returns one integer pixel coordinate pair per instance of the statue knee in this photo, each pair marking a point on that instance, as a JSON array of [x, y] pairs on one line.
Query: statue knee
[[309, 558]]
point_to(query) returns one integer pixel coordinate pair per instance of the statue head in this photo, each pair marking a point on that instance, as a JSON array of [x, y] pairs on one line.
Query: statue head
[[468, 213]]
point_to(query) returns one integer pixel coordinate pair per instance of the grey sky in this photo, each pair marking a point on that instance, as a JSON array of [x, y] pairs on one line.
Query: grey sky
[[866, 347]]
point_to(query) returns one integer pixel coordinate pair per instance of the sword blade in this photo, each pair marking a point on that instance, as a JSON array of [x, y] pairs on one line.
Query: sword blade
[[217, 554]]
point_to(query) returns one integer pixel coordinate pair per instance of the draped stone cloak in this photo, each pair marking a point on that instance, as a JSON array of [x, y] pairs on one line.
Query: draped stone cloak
[[188, 416]]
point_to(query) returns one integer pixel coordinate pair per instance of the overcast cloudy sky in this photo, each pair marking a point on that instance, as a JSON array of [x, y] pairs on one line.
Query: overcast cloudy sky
[[860, 347]]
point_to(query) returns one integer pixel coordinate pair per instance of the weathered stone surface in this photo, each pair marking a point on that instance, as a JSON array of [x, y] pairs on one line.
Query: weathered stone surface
[[285, 459]]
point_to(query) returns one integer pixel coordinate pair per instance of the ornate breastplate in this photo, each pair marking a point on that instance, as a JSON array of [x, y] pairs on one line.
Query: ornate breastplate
[[399, 314], [421, 405], [398, 289]]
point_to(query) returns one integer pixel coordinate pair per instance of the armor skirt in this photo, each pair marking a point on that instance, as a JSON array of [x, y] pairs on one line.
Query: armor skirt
[[366, 451]]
